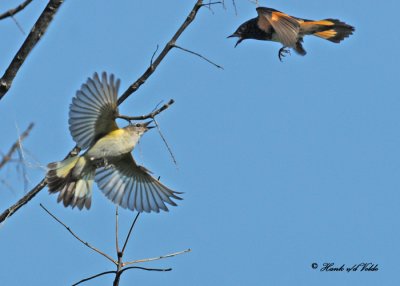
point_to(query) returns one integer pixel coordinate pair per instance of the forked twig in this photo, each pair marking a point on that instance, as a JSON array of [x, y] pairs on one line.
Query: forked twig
[[150, 70], [120, 264]]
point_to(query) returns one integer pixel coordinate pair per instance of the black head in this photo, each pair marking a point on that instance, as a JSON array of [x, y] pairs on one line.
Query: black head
[[245, 31]]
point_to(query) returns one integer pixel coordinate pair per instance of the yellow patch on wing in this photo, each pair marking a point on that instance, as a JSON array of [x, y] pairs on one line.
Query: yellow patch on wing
[[326, 34]]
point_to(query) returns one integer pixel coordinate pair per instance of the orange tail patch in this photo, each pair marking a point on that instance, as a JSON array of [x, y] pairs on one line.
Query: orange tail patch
[[326, 34], [329, 29], [318, 23]]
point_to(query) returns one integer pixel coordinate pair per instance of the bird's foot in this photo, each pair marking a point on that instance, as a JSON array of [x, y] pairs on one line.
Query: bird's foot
[[283, 52]]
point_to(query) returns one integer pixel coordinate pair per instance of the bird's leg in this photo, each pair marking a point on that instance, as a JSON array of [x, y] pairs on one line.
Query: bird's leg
[[283, 52]]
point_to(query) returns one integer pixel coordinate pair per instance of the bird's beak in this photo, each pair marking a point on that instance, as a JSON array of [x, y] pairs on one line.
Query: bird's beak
[[238, 42], [234, 35]]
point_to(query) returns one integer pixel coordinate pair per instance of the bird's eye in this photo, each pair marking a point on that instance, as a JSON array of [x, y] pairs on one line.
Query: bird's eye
[[137, 124]]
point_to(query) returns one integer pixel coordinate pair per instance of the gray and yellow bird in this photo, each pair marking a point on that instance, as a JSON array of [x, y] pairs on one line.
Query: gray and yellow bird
[[273, 25], [107, 159]]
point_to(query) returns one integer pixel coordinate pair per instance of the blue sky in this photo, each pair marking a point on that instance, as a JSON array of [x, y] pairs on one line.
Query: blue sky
[[281, 164]]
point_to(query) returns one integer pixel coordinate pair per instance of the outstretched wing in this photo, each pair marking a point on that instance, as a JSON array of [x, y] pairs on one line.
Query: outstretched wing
[[93, 110], [287, 27], [131, 186]]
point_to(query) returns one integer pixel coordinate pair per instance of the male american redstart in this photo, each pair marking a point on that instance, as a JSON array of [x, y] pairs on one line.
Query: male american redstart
[[107, 159], [273, 25]]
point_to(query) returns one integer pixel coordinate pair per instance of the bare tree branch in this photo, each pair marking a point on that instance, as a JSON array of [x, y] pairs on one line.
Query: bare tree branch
[[37, 31], [153, 66], [150, 115], [11, 210], [15, 146], [78, 238], [131, 89], [14, 11], [120, 264], [115, 272]]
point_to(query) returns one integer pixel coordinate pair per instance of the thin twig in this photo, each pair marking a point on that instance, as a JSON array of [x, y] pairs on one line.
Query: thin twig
[[213, 3], [147, 116], [129, 233], [16, 146], [165, 142], [77, 237], [37, 31], [18, 25], [94, 276], [157, 258], [116, 230], [208, 5], [154, 54], [144, 268], [23, 171], [14, 11], [150, 70], [197, 54]]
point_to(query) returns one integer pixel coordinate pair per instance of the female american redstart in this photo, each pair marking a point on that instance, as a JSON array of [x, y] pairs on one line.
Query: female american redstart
[[107, 159]]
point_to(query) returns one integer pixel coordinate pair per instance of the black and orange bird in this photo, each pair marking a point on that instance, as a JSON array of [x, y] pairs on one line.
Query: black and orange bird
[[273, 25]]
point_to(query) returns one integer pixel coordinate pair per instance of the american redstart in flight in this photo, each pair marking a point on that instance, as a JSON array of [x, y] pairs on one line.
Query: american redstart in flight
[[107, 159], [273, 25]]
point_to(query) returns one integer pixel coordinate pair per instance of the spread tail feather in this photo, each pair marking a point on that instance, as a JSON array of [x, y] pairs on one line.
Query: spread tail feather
[[329, 29], [72, 181]]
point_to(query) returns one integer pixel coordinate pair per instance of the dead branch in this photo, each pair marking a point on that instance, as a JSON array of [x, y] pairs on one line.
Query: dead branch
[[15, 146], [119, 263], [14, 11], [37, 31], [171, 44]]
